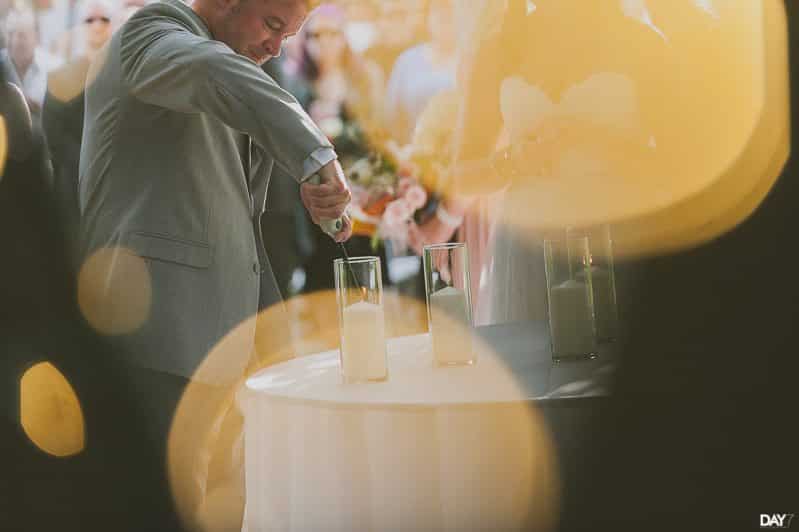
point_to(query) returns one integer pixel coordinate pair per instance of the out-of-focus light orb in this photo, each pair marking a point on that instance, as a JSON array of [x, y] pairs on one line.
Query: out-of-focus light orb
[[114, 291], [667, 119], [66, 84], [50, 412], [204, 446], [206, 435], [434, 136], [3, 145], [206, 457]]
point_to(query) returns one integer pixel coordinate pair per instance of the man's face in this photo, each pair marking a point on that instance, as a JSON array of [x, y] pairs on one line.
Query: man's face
[[257, 28]]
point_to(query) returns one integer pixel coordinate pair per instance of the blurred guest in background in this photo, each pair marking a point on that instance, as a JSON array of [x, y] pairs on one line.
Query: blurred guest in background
[[76, 41], [397, 26], [5, 7], [421, 72], [342, 93], [30, 62], [62, 117], [411, 101], [54, 20]]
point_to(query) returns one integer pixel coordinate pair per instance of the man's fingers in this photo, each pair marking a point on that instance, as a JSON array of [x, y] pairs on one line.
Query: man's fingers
[[330, 213], [326, 204], [324, 190], [346, 230], [329, 202]]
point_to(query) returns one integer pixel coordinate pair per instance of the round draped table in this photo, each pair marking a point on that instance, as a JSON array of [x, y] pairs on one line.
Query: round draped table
[[451, 448]]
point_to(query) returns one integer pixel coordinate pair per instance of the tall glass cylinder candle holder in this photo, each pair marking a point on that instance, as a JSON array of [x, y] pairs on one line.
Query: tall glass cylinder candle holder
[[359, 294], [603, 281], [449, 303], [569, 294]]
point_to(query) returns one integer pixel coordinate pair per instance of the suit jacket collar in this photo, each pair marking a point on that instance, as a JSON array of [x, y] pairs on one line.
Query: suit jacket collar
[[184, 13]]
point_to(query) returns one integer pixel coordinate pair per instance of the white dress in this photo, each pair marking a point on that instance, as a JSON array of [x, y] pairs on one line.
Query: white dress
[[514, 285]]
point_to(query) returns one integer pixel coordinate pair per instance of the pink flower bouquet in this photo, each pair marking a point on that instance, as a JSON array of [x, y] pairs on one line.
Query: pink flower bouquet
[[385, 200]]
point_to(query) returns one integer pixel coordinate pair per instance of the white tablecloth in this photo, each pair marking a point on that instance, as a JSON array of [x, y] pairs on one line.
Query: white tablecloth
[[456, 448]]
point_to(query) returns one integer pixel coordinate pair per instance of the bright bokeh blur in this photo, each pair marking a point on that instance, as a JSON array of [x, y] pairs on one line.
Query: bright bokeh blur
[[114, 291], [66, 85], [50, 412], [667, 118], [205, 447], [303, 325]]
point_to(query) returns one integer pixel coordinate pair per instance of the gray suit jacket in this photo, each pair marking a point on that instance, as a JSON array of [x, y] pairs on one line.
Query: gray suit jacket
[[168, 172]]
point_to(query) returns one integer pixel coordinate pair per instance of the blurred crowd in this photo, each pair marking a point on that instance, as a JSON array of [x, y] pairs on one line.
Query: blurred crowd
[[364, 71]]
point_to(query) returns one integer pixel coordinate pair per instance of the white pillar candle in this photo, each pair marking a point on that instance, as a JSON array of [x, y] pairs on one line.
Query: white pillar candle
[[450, 327], [363, 343], [571, 320], [604, 302]]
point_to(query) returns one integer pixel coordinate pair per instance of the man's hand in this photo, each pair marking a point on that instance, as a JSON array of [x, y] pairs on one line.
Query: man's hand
[[346, 230], [330, 199]]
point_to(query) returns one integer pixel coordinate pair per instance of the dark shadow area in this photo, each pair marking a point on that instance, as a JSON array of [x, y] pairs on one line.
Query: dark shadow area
[[700, 433], [117, 482]]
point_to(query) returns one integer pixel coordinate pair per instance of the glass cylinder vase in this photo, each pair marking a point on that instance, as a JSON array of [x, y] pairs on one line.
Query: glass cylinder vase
[[359, 294], [603, 280], [449, 303], [572, 327]]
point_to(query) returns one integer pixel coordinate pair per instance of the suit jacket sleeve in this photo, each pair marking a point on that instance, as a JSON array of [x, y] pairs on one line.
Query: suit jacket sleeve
[[165, 64]]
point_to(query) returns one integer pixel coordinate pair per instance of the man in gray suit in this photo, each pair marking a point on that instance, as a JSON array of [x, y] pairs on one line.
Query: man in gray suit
[[182, 130]]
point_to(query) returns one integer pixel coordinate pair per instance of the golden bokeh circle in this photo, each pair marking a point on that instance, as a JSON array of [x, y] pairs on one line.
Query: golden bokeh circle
[[673, 131], [50, 412], [206, 440], [115, 291], [66, 84]]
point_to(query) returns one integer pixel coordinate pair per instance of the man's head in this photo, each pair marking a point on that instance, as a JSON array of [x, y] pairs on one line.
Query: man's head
[[22, 37], [254, 28]]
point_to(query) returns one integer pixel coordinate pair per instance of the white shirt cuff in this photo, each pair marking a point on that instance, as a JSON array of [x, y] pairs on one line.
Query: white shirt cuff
[[316, 160]]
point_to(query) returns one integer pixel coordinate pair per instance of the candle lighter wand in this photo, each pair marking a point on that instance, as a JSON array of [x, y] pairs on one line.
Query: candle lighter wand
[[352, 272]]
